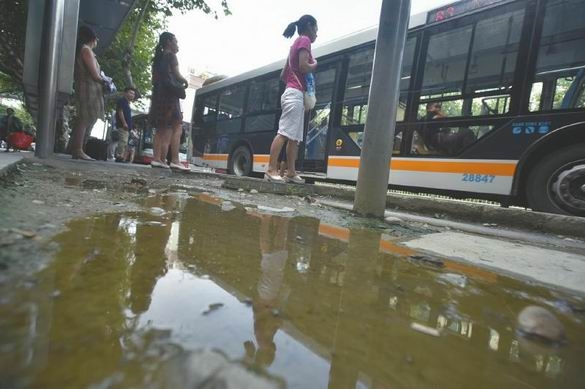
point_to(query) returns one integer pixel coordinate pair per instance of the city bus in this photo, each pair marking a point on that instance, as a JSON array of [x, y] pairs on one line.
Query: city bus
[[508, 77]]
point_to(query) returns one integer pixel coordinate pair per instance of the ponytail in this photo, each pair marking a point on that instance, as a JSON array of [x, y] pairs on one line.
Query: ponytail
[[290, 30], [300, 26]]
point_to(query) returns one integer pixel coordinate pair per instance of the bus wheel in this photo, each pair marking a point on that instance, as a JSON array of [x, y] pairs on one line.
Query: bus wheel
[[557, 182], [241, 162]]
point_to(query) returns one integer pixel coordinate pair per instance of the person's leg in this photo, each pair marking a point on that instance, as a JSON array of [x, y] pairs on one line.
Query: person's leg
[[77, 139], [292, 149], [122, 145], [175, 143], [158, 145], [112, 150], [275, 149], [131, 154], [87, 131], [165, 141]]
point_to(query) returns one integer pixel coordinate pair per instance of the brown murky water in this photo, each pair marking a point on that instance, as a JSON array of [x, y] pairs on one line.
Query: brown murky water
[[314, 305]]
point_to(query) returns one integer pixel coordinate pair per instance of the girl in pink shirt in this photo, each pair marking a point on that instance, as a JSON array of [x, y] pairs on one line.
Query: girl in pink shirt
[[290, 127]]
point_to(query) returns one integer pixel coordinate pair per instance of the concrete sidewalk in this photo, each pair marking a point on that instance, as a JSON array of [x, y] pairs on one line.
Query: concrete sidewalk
[[429, 209]]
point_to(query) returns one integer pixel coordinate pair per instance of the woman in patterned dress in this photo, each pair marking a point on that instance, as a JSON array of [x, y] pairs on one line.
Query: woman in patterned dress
[[89, 95]]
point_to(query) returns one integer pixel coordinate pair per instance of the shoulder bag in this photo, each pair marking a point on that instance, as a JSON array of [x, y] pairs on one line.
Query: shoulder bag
[[170, 83]]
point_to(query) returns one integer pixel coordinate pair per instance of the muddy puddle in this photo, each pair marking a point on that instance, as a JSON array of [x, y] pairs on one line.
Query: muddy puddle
[[298, 302]]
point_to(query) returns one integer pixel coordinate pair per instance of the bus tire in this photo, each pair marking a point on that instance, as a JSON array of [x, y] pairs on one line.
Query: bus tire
[[240, 163], [557, 183]]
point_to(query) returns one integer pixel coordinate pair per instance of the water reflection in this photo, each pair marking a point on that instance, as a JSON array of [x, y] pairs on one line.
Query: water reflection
[[316, 304]]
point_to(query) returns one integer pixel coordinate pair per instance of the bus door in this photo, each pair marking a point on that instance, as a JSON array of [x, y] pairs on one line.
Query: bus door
[[313, 155]]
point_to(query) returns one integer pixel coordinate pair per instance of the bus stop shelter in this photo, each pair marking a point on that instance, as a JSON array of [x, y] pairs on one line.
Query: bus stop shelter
[[49, 60]]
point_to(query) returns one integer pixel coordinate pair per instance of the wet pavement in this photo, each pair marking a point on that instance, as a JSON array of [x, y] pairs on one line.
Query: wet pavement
[[135, 299]]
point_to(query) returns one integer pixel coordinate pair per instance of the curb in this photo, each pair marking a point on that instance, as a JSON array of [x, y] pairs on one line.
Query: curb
[[7, 167], [431, 207]]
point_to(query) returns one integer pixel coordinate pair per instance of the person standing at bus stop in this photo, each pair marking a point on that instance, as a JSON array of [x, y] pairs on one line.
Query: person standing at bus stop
[[290, 127], [165, 111], [124, 122], [89, 95]]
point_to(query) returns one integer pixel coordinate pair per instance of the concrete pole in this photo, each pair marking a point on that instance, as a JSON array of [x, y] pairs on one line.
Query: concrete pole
[[372, 184], [48, 76]]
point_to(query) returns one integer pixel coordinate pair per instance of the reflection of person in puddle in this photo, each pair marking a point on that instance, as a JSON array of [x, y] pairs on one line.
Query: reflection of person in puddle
[[150, 262], [273, 246]]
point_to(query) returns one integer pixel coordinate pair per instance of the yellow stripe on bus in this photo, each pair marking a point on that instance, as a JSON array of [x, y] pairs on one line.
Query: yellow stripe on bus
[[215, 157], [496, 169]]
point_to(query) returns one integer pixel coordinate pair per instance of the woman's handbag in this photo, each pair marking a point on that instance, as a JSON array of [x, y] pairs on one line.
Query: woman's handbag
[[173, 86], [108, 84]]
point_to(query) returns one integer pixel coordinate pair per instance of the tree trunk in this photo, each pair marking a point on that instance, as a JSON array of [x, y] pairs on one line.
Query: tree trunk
[[129, 52]]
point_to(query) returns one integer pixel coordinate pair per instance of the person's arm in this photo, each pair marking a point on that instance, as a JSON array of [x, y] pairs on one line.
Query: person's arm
[[120, 118], [175, 70], [90, 62], [120, 115], [283, 72], [304, 65]]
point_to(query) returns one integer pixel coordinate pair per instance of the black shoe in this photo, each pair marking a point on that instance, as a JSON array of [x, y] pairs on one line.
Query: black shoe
[[118, 159]]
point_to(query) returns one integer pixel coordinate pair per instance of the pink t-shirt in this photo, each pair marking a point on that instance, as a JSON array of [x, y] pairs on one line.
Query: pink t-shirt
[[302, 42]]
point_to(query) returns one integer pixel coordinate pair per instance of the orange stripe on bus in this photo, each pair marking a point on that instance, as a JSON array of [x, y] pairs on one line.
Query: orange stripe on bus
[[209, 199], [334, 232], [215, 157], [261, 158], [496, 169], [471, 271], [391, 248]]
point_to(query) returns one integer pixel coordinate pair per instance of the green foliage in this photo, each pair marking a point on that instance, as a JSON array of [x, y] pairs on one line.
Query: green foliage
[[153, 23], [13, 16], [166, 7], [140, 65], [12, 37], [8, 86], [21, 113]]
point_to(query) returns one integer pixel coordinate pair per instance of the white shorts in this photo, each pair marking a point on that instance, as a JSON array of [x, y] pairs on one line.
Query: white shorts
[[293, 114]]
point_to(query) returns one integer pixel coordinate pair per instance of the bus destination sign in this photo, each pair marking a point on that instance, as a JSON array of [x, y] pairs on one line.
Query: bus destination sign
[[456, 9]]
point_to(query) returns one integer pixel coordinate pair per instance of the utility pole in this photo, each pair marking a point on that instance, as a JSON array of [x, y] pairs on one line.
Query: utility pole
[[49, 75], [374, 171]]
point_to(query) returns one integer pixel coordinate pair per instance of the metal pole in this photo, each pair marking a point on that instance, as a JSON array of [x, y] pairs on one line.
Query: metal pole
[[372, 185], [50, 51]]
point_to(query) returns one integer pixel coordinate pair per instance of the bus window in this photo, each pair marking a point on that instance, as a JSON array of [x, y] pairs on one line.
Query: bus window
[[445, 63], [446, 141], [316, 138], [561, 58], [264, 95], [208, 111], [231, 108], [471, 68], [357, 88], [262, 105], [494, 52]]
